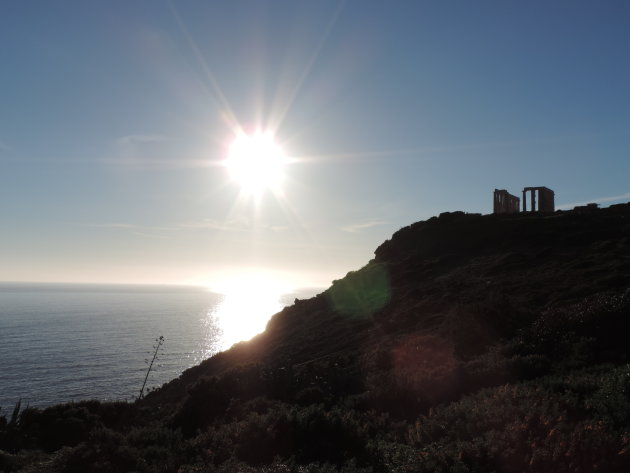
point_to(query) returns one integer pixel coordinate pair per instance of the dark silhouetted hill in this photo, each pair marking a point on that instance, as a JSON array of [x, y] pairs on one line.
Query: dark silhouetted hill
[[469, 343]]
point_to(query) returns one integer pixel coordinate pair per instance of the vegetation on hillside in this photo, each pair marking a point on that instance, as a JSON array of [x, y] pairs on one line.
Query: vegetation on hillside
[[469, 344]]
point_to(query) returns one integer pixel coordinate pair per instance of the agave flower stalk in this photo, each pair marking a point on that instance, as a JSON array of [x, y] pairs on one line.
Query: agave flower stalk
[[159, 341]]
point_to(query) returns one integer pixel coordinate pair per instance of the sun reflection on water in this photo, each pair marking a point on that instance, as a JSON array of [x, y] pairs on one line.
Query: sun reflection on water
[[249, 301]]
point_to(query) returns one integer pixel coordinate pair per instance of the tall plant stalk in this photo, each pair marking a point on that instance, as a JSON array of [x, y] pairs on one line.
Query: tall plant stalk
[[159, 341]]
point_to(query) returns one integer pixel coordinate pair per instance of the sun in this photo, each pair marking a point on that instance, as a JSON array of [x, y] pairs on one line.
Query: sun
[[256, 162]]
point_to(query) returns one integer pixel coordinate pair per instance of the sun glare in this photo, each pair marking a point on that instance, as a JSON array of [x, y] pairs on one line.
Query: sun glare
[[256, 162], [249, 300]]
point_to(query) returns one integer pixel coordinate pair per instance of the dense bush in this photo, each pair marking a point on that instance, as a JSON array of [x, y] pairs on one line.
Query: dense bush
[[50, 429], [593, 330], [561, 424]]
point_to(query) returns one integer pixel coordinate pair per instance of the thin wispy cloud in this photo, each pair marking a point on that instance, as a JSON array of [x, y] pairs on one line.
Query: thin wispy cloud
[[599, 200], [138, 139], [145, 231], [358, 227], [137, 147], [235, 225], [205, 224], [160, 162], [151, 150], [151, 235], [208, 224], [110, 225]]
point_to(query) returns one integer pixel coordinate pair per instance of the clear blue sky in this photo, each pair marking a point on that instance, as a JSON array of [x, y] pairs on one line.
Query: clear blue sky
[[113, 116]]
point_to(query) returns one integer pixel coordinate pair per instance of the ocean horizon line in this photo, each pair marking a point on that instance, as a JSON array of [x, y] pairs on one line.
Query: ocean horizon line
[[66, 285]]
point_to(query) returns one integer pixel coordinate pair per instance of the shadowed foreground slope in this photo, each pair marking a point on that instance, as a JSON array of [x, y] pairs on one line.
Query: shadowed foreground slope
[[469, 343]]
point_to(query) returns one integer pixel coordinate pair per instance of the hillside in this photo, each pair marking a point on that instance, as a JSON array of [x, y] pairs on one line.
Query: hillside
[[469, 343]]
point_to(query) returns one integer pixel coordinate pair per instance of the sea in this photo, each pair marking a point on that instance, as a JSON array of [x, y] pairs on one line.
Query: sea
[[70, 342]]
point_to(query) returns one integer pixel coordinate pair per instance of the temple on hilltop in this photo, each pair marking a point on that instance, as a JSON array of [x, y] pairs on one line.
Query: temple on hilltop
[[505, 203], [542, 199], [546, 199]]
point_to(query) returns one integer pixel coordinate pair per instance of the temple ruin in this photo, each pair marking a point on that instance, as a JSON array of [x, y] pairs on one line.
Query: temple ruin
[[542, 199], [505, 203], [546, 202]]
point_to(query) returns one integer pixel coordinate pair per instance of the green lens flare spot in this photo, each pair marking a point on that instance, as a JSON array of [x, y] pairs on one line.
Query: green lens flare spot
[[362, 292]]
